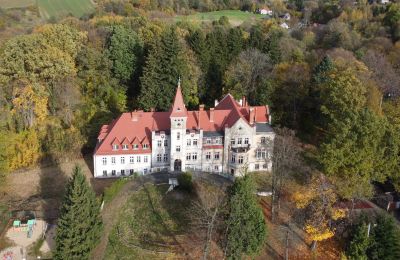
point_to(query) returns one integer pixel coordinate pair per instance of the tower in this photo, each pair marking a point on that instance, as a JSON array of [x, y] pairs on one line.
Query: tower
[[178, 119]]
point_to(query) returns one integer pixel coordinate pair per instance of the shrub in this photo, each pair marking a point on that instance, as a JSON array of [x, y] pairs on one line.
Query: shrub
[[185, 181]]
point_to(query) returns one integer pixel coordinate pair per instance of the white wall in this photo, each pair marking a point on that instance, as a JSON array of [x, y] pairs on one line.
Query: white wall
[[142, 167]]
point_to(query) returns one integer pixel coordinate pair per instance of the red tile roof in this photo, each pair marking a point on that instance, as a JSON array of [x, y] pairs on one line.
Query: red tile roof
[[178, 108], [137, 126]]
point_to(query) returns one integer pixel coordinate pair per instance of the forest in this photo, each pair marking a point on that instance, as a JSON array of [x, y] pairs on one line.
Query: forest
[[333, 78]]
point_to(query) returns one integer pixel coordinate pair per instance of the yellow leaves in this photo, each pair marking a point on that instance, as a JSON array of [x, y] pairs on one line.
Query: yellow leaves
[[302, 198], [30, 104], [107, 20], [319, 233], [338, 214]]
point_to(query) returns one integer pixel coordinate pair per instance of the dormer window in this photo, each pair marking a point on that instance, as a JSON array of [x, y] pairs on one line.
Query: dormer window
[[124, 147], [115, 146], [135, 146], [145, 146]]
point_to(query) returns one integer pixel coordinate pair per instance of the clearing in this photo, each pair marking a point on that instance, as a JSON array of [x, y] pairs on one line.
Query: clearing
[[236, 17], [60, 8], [7, 4]]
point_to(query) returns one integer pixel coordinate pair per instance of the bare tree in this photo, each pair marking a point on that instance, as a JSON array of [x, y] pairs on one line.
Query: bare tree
[[205, 212], [285, 160]]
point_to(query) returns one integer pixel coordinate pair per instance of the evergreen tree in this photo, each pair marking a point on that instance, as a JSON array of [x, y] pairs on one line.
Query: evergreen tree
[[79, 226], [357, 249], [245, 223], [385, 239]]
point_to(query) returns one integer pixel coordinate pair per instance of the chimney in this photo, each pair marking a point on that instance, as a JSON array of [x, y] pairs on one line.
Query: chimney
[[252, 114], [216, 102], [244, 101], [152, 109], [212, 114], [201, 107], [136, 115]]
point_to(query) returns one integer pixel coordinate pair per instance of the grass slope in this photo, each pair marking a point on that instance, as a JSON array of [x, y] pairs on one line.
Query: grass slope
[[149, 223], [60, 8], [235, 16], [7, 4]]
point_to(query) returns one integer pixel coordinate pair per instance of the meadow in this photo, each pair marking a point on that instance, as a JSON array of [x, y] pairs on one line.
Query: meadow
[[60, 8], [236, 17], [8, 4]]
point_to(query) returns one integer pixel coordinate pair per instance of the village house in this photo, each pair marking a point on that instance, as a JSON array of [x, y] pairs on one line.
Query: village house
[[230, 138]]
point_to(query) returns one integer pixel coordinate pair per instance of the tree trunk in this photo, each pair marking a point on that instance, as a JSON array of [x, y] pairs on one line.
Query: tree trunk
[[313, 245]]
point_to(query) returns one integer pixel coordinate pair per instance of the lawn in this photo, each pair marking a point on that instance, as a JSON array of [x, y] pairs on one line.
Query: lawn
[[150, 225], [236, 17], [7, 4], [60, 8]]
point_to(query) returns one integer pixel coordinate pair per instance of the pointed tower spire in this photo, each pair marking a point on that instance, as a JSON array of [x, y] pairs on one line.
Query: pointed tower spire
[[178, 108]]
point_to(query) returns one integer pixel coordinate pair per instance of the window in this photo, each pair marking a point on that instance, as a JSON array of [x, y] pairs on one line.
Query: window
[[216, 155], [145, 159], [256, 166], [246, 140], [178, 136], [216, 168], [232, 141], [233, 158], [208, 141], [104, 160], [189, 142], [122, 160], [261, 153], [217, 140], [194, 156], [131, 171], [178, 148], [123, 172], [239, 140], [208, 156], [115, 146], [165, 157], [131, 159], [263, 141], [159, 143], [145, 146], [124, 147], [104, 172], [165, 143], [113, 160], [265, 166], [158, 157], [138, 159], [188, 156], [240, 160], [113, 172], [194, 142], [135, 146]]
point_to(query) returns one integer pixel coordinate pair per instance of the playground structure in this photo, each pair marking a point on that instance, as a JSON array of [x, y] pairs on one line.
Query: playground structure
[[25, 221]]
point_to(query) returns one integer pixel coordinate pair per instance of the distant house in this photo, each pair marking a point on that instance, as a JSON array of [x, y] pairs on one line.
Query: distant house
[[385, 1], [285, 16], [284, 25], [264, 10]]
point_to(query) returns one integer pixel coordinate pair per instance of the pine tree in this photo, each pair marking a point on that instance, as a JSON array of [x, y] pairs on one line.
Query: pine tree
[[246, 227], [385, 239], [359, 243], [79, 225]]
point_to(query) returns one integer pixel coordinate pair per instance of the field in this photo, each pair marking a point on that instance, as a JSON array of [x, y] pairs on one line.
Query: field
[[60, 8], [7, 4], [236, 17]]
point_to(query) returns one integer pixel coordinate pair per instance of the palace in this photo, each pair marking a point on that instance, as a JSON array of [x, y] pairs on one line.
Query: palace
[[228, 139]]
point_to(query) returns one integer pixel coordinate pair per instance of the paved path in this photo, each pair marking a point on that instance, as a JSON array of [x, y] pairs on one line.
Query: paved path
[[111, 209]]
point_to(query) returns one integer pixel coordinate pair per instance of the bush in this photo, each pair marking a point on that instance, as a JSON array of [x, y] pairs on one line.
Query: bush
[[185, 181]]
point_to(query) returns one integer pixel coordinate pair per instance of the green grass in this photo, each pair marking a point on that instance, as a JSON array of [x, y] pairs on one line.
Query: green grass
[[60, 8], [7, 4], [149, 222], [114, 189], [235, 16], [4, 216]]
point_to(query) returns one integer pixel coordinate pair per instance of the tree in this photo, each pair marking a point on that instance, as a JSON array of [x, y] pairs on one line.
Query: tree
[[79, 226], [246, 74], [125, 48], [385, 239], [206, 212], [246, 229], [359, 242]]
